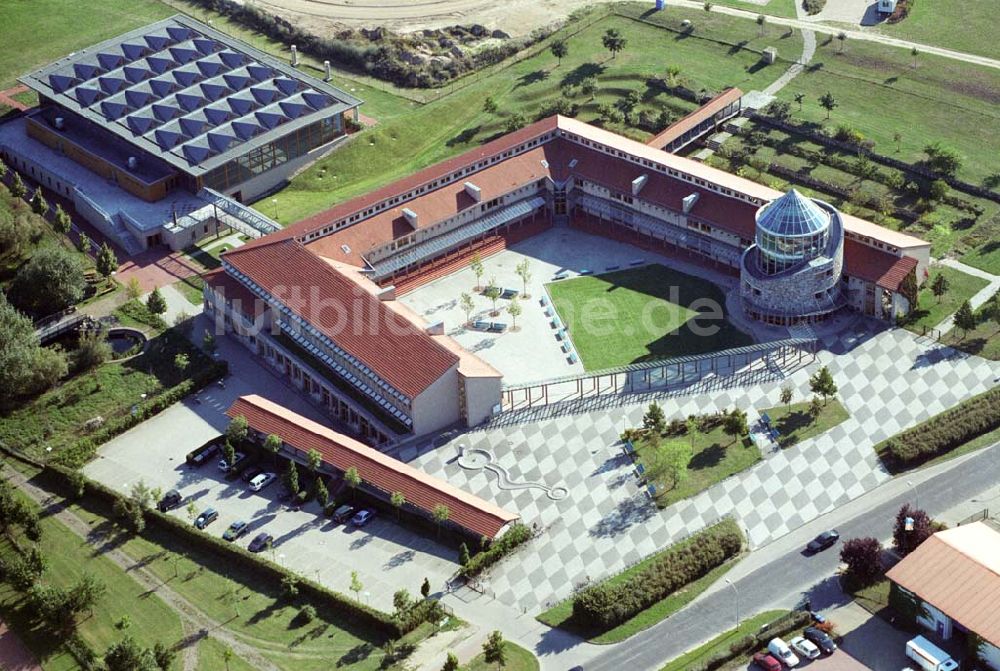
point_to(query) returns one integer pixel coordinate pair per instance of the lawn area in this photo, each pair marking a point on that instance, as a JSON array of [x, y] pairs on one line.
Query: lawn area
[[191, 287], [640, 314], [45, 425], [456, 122], [931, 310], [210, 657], [968, 26], [721, 643], [785, 8], [518, 659], [941, 100], [795, 424], [873, 598], [984, 340], [715, 456]]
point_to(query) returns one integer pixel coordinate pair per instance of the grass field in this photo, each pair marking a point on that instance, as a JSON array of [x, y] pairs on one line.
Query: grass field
[[640, 314], [931, 310], [795, 424], [721, 643], [984, 340], [785, 8], [518, 659], [968, 26]]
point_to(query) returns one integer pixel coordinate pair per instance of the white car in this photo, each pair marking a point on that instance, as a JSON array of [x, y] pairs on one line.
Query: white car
[[261, 481], [780, 649], [237, 458], [805, 648]]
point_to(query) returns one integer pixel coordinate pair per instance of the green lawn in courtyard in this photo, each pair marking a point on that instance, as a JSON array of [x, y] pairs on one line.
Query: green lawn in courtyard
[[931, 311], [694, 658], [714, 457], [639, 314], [211, 653], [968, 26], [795, 424], [518, 659], [984, 340]]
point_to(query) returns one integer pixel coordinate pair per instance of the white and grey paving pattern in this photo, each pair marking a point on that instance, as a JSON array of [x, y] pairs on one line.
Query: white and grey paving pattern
[[888, 380]]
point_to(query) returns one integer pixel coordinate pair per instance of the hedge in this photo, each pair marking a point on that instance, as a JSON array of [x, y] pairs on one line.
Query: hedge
[[84, 449], [611, 603], [516, 536], [943, 432]]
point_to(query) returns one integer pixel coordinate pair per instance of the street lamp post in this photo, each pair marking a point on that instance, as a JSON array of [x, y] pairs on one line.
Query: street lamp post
[[274, 201], [913, 490], [733, 585]]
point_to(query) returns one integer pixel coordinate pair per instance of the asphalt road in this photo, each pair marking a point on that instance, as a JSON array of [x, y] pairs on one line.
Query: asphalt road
[[792, 576]]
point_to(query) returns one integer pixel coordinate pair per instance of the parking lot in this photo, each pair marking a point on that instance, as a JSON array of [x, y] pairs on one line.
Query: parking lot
[[386, 555]]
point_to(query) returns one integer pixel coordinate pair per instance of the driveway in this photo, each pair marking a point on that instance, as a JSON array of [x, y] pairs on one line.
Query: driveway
[[869, 642], [14, 655]]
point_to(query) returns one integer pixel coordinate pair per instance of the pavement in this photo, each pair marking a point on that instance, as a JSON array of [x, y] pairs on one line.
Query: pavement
[[157, 268], [14, 654], [979, 298]]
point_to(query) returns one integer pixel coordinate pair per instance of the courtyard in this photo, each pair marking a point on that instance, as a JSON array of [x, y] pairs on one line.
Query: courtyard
[[537, 350]]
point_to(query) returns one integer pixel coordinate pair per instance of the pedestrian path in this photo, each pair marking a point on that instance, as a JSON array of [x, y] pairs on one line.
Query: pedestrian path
[[979, 298]]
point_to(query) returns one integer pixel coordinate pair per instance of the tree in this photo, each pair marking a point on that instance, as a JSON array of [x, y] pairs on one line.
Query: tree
[[17, 187], [291, 478], [965, 318], [735, 424], [476, 265], [84, 243], [450, 662], [828, 102], [92, 349], [127, 655], [786, 395], [353, 479], [425, 588], [133, 289], [463, 554], [897, 137], [3, 170], [815, 407], [52, 279], [156, 303], [514, 122], [107, 262], [164, 656], [914, 52], [937, 190], [39, 205], [490, 105], [707, 6], [313, 461], [85, 593], [654, 421], [492, 292], [61, 221], [691, 428], [229, 453], [629, 102], [863, 557], [321, 493], [523, 270], [588, 87], [467, 305], [356, 585], [942, 160], [272, 444], [613, 41], [514, 310], [609, 114], [841, 37], [559, 50], [181, 362], [940, 286], [16, 512], [799, 98], [493, 649], [77, 483], [237, 430], [398, 500], [822, 383], [761, 23], [401, 601], [227, 656], [441, 514], [904, 540], [289, 587], [669, 462]]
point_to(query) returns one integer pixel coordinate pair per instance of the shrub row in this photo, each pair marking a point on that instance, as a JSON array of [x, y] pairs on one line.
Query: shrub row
[[944, 432], [786, 624], [84, 449], [611, 603], [516, 536]]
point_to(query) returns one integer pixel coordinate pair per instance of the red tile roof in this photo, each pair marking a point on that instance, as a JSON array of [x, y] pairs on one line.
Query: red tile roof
[[399, 352], [706, 111], [375, 468], [235, 294], [875, 265]]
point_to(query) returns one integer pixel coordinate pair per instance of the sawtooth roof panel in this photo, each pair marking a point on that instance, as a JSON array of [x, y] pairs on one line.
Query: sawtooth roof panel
[[165, 86]]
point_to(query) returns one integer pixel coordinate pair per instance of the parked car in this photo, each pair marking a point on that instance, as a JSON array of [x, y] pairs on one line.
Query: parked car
[[804, 647], [343, 513], [208, 515], [820, 639], [225, 466], [262, 480], [202, 456], [170, 500], [766, 662], [235, 530], [823, 541], [362, 517], [251, 473], [782, 652], [261, 542]]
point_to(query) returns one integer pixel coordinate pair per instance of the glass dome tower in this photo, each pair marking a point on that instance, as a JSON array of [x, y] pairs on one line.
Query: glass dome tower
[[790, 230]]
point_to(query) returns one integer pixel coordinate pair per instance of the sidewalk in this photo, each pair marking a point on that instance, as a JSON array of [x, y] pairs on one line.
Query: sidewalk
[[980, 296]]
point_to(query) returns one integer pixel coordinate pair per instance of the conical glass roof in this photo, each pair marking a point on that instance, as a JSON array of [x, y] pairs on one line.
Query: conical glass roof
[[793, 215]]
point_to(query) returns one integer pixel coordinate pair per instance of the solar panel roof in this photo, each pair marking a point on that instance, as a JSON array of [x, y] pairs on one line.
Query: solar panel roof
[[187, 93]]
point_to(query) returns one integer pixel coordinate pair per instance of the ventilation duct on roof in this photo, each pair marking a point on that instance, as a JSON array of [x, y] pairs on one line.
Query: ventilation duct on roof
[[295, 57], [437, 328], [689, 202], [572, 164], [387, 293], [638, 183], [133, 163], [326, 71], [474, 191], [60, 123], [411, 217]]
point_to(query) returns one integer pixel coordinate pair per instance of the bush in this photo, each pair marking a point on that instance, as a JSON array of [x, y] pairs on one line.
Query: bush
[[607, 605], [944, 431], [813, 6], [500, 548]]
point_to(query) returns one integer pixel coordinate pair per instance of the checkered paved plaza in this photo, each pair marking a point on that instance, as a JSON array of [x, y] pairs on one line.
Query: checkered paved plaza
[[888, 380]]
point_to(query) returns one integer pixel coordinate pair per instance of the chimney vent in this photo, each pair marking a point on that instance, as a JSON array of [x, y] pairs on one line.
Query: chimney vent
[[474, 191], [689, 202], [638, 183], [411, 216]]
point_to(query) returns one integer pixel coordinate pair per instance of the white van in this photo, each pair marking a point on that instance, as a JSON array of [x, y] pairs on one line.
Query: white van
[[782, 652], [928, 656], [261, 480]]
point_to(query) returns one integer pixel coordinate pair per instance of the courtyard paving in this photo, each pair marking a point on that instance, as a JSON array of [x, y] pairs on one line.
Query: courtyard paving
[[888, 380]]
